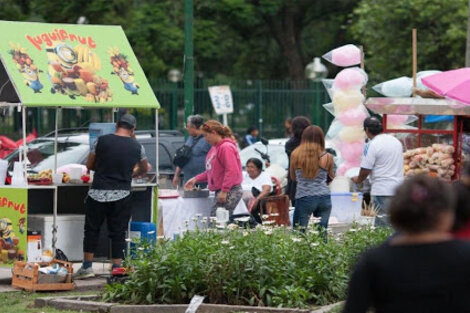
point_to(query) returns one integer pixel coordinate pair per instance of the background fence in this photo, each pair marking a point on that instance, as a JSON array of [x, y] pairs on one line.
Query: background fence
[[261, 103]]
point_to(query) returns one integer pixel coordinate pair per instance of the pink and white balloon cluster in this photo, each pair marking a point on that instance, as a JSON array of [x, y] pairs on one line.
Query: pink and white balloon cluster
[[346, 130]]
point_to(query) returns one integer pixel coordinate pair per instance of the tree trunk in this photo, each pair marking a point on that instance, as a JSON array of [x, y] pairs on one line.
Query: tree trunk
[[467, 54], [286, 28]]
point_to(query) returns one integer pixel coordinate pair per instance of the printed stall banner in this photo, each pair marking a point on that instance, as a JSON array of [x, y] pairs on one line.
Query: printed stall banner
[[13, 225], [73, 65]]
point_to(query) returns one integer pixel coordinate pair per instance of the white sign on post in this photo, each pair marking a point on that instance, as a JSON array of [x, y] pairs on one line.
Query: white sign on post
[[221, 98]]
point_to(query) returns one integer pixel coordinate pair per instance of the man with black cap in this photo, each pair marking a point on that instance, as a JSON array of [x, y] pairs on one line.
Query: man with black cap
[[114, 158], [383, 162]]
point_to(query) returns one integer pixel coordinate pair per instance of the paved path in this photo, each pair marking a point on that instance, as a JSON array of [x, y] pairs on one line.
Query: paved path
[[81, 285]]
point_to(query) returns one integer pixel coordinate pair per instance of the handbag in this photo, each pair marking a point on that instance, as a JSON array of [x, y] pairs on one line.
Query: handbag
[[183, 154]]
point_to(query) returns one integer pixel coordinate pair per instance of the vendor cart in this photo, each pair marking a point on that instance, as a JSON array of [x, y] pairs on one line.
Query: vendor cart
[[424, 134], [62, 66]]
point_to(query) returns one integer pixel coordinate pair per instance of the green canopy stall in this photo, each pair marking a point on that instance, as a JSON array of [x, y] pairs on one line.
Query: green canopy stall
[[63, 66]]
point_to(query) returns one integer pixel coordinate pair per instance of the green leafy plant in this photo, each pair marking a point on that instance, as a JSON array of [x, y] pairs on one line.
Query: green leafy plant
[[263, 267]]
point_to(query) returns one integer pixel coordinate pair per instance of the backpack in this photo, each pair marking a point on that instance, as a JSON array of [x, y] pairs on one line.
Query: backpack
[[183, 154]]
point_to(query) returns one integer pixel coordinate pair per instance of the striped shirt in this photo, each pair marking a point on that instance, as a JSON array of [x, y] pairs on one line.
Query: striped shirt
[[307, 187]]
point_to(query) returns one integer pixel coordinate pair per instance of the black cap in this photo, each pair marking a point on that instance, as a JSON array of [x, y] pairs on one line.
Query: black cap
[[128, 119]]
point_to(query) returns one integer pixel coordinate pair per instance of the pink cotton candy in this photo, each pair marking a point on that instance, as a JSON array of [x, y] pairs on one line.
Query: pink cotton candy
[[350, 78], [396, 119], [343, 168], [352, 117], [351, 152], [347, 55]]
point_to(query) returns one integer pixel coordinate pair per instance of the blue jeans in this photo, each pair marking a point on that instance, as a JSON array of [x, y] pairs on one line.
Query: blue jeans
[[319, 206], [381, 220]]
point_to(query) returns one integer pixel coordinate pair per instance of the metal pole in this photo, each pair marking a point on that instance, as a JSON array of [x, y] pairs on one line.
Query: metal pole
[[260, 107], [55, 138], [23, 113], [54, 220], [225, 119], [174, 107], [415, 58], [188, 59], [156, 147]]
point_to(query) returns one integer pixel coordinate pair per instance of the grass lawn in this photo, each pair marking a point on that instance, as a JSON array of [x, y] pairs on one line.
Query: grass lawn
[[23, 302]]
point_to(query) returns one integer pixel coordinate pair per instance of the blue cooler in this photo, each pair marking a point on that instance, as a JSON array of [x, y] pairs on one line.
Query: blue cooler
[[144, 232]]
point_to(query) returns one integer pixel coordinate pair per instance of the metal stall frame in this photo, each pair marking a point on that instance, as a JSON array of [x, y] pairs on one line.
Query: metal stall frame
[[421, 107]]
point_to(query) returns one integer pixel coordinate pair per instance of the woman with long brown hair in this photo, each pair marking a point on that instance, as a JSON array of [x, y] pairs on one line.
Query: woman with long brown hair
[[312, 168], [223, 167]]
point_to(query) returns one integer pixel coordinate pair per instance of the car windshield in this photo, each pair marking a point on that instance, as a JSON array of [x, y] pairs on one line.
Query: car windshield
[[276, 153], [41, 154]]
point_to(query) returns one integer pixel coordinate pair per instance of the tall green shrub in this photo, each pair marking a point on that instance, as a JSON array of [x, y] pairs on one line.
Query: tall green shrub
[[264, 267]]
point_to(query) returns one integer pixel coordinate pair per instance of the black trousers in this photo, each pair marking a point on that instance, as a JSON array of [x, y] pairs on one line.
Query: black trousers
[[117, 215]]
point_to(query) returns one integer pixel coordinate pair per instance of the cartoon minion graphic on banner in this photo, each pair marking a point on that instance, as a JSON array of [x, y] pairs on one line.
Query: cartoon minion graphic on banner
[[123, 70], [25, 65]]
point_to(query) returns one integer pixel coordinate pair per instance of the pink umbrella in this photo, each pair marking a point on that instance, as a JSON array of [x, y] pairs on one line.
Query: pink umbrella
[[453, 84]]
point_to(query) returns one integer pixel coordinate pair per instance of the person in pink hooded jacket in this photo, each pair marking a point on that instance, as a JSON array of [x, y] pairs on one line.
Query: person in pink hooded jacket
[[223, 167]]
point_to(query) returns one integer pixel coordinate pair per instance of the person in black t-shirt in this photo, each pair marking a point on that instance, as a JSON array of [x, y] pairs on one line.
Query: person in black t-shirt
[[299, 123], [113, 158], [422, 268]]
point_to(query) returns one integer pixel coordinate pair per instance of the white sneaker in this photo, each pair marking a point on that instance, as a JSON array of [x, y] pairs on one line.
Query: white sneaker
[[84, 273]]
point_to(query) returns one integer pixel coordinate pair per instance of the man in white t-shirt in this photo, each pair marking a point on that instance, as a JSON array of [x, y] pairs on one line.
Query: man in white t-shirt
[[383, 163]]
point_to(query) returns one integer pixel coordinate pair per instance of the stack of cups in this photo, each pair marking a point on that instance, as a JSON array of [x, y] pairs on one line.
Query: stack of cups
[[18, 178], [3, 171]]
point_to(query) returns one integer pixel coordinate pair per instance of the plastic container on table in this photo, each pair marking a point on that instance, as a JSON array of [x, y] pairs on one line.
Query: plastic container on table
[[340, 184], [3, 171], [346, 206]]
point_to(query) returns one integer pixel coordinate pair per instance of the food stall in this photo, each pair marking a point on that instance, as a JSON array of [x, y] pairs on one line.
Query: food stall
[[438, 149], [61, 66]]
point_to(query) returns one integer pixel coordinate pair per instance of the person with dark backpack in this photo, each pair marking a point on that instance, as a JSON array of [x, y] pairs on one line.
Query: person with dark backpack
[[191, 157]]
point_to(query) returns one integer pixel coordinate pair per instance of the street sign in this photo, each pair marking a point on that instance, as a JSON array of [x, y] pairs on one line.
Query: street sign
[[221, 98]]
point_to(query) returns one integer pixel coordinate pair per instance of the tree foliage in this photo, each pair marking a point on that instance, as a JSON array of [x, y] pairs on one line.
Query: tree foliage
[[249, 39], [384, 28]]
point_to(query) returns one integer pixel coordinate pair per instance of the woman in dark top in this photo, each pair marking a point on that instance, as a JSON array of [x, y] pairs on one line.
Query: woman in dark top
[[422, 268], [299, 123]]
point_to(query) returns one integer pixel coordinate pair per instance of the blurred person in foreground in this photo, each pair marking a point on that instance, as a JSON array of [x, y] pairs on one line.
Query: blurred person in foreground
[[422, 268], [312, 168], [382, 162], [299, 123], [199, 149], [461, 228], [223, 167]]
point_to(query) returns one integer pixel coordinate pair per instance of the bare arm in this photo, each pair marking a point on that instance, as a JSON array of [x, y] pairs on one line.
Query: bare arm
[[331, 171], [363, 173], [143, 166], [176, 178], [90, 163]]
